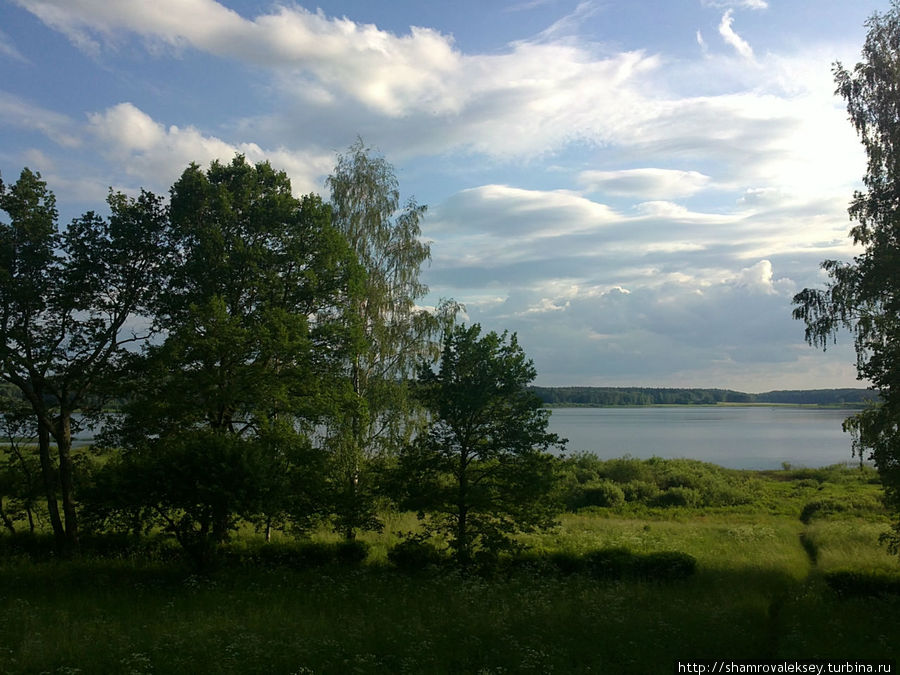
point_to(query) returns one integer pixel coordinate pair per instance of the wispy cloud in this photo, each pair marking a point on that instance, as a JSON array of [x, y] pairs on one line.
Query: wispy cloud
[[645, 183], [9, 50], [738, 4], [21, 114], [741, 46], [700, 41]]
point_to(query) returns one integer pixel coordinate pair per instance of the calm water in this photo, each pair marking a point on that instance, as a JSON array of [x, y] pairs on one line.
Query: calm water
[[751, 437]]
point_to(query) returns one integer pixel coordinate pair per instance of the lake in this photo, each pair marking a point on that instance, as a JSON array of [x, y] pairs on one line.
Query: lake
[[738, 437]]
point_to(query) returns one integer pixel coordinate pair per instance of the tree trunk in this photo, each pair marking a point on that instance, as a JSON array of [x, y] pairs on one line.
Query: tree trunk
[[67, 478], [7, 521], [463, 554], [50, 483]]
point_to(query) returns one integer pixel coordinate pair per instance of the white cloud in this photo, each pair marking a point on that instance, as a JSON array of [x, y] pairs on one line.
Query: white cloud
[[9, 50], [700, 41], [765, 163], [740, 45], [645, 183], [22, 114], [740, 4], [757, 278], [157, 155], [526, 214], [386, 72]]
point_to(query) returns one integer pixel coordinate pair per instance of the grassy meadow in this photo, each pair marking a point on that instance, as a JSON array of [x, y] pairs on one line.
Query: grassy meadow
[[775, 578]]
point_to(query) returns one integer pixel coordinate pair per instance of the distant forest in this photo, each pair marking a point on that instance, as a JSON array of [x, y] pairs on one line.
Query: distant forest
[[613, 396]]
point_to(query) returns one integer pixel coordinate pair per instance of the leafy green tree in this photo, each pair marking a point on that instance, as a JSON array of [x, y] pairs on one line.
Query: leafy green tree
[[481, 471], [393, 332], [19, 468], [251, 363], [863, 296], [67, 300]]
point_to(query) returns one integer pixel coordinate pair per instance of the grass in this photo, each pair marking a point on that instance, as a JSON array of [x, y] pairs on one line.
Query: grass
[[761, 590]]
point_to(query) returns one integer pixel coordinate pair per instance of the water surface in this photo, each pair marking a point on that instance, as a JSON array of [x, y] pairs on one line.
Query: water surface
[[739, 437]]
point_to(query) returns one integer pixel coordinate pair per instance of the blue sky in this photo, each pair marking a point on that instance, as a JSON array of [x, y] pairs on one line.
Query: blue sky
[[637, 188]]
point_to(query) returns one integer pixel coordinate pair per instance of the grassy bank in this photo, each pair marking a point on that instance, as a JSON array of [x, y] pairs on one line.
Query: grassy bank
[[764, 587]]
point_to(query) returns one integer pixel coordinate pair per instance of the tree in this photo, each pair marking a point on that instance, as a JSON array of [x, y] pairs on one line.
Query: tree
[[481, 470], [66, 300], [252, 359], [863, 296], [393, 332], [20, 470]]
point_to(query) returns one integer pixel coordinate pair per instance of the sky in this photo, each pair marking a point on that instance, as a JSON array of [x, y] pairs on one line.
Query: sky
[[637, 188]]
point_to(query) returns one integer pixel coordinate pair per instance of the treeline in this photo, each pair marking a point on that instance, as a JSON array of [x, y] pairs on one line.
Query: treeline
[[270, 363], [637, 396]]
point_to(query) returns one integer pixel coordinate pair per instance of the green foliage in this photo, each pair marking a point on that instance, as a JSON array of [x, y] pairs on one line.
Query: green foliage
[[481, 471], [251, 362], [392, 332], [619, 563], [851, 506], [589, 481], [678, 496], [862, 296], [66, 299], [854, 584], [601, 493], [415, 554]]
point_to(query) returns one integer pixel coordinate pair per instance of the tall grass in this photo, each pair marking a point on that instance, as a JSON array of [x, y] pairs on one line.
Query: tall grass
[[760, 592]]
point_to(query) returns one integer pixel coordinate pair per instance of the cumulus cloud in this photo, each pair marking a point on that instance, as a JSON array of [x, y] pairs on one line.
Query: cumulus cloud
[[740, 45], [662, 277], [384, 71], [158, 154], [757, 278]]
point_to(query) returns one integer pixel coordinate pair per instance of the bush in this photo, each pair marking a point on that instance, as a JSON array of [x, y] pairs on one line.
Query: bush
[[640, 491], [678, 496], [566, 562], [626, 470], [723, 494], [610, 563], [665, 565], [351, 551], [618, 563], [855, 506], [603, 493], [413, 555], [856, 584]]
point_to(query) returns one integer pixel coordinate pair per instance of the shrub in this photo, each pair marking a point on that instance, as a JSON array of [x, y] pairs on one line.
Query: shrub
[[618, 563], [665, 565], [413, 555], [855, 584], [314, 554], [640, 491], [627, 469], [678, 496], [567, 562], [857, 506], [723, 494], [610, 563], [351, 551], [602, 493]]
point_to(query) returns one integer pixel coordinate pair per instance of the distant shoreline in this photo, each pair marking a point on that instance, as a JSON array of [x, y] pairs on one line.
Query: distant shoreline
[[603, 397], [721, 404]]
